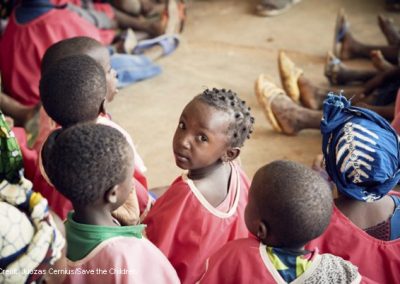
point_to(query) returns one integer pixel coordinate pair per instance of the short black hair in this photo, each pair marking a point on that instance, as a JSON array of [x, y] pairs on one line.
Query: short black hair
[[294, 201], [88, 159], [228, 101], [68, 47], [73, 90]]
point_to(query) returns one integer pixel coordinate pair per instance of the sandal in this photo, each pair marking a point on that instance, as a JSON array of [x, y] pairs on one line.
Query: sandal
[[269, 8], [266, 92], [289, 74], [341, 28], [332, 67]]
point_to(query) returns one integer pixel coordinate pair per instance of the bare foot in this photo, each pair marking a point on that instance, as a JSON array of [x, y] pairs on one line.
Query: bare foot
[[389, 30], [347, 43], [379, 62], [309, 96]]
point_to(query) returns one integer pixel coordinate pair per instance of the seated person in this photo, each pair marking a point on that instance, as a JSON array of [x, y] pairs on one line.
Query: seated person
[[203, 209], [32, 243], [361, 152], [92, 164], [289, 205]]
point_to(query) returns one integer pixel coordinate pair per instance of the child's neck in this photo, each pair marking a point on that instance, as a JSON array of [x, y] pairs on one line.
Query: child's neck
[[207, 172], [213, 182], [92, 216]]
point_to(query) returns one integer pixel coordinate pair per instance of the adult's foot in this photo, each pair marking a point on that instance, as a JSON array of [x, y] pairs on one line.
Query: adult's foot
[[289, 74], [389, 30], [279, 109], [345, 44], [310, 96], [335, 70], [379, 62]]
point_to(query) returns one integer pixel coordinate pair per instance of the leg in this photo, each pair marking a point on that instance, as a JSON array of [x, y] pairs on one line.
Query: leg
[[294, 118], [339, 74], [138, 23], [19, 112], [379, 62], [351, 48], [389, 30], [284, 115], [310, 96], [386, 112]]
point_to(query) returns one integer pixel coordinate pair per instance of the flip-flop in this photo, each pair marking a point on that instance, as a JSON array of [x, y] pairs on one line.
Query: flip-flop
[[289, 74], [331, 69], [169, 43], [268, 8], [266, 92], [341, 28]]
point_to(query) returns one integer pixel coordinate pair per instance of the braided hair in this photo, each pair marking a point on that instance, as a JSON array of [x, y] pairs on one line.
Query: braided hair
[[228, 101]]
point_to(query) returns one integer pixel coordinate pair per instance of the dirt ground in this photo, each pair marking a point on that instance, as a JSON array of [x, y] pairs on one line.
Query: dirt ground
[[225, 45]]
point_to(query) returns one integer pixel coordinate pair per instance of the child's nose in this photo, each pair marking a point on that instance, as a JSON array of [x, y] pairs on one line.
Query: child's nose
[[185, 141]]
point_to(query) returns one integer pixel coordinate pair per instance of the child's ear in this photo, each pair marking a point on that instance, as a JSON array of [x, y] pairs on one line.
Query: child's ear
[[102, 107], [231, 154], [262, 231], [111, 195]]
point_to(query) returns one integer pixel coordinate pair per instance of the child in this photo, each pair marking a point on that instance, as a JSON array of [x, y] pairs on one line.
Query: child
[[361, 152], [289, 205], [72, 91], [202, 210], [22, 51], [92, 165], [31, 244]]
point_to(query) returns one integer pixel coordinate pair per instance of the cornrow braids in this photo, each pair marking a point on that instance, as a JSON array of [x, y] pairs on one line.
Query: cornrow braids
[[228, 101]]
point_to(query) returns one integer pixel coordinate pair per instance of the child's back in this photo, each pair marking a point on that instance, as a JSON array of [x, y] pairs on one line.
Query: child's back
[[22, 49], [361, 153], [203, 209], [288, 205], [91, 164]]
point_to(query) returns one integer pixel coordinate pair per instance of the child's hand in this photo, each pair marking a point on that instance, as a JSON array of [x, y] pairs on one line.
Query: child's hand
[[128, 213]]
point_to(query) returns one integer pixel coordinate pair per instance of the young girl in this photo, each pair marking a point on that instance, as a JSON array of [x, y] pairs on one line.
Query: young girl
[[203, 209], [361, 152], [92, 164]]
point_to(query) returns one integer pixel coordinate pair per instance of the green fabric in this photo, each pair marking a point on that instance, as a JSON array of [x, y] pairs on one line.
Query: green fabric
[[10, 154], [83, 238]]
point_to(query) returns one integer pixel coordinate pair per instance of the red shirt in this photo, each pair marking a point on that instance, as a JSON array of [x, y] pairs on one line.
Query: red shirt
[[23, 46], [376, 259], [187, 229]]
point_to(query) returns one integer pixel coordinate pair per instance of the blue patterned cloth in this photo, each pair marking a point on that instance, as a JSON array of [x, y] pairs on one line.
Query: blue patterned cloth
[[360, 148]]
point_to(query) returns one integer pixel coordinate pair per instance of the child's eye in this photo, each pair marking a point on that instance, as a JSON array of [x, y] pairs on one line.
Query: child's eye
[[202, 138], [181, 125]]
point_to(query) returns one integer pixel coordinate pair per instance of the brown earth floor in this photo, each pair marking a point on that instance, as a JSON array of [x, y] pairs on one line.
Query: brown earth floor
[[225, 45]]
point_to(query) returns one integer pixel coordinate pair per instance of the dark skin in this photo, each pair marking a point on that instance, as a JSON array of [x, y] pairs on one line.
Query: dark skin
[[256, 219], [365, 214], [100, 211], [201, 145]]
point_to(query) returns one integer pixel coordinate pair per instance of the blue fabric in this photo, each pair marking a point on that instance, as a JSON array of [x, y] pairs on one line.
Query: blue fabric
[[168, 43], [133, 68], [360, 148], [395, 219], [32, 9]]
